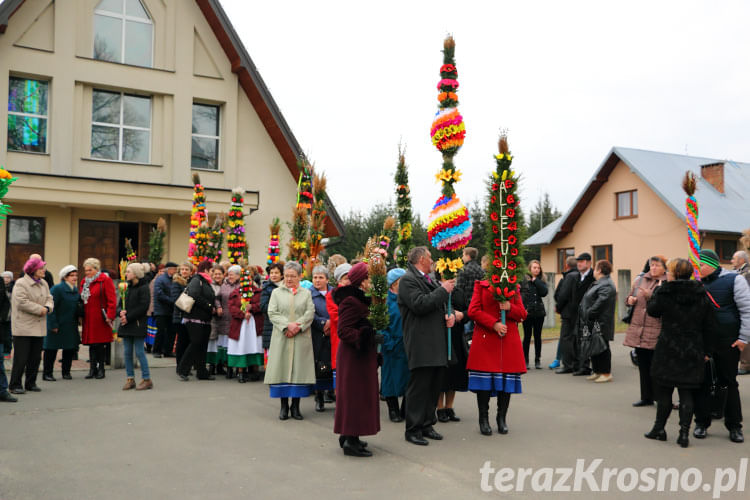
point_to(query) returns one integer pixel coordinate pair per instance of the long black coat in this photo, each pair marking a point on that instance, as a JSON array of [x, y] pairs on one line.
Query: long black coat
[[456, 376], [137, 302], [532, 293], [564, 303], [598, 306], [265, 297], [687, 319], [203, 293], [422, 305]]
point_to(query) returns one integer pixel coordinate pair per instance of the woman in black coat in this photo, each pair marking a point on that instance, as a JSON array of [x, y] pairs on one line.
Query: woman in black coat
[[597, 313], [681, 350], [198, 324], [533, 289], [132, 328], [275, 276]]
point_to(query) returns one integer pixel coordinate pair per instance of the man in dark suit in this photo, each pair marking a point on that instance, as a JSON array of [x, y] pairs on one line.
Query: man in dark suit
[[585, 279], [568, 316], [422, 302]]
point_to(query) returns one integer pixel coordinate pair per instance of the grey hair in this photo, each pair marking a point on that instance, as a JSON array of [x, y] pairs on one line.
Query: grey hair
[[742, 255], [235, 269], [416, 253], [137, 270], [93, 263], [320, 270], [293, 266], [571, 262]]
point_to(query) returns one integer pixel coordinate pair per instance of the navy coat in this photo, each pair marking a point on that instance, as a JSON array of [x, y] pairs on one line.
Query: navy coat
[[394, 374], [163, 301], [64, 317]]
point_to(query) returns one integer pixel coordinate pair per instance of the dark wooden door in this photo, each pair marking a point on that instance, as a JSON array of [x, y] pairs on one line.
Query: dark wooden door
[[144, 231], [25, 235], [98, 239]]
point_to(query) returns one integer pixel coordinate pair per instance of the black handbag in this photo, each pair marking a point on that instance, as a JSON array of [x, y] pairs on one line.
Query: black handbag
[[592, 341], [629, 314]]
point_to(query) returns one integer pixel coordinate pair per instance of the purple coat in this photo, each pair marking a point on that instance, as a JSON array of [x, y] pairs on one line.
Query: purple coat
[[357, 400]]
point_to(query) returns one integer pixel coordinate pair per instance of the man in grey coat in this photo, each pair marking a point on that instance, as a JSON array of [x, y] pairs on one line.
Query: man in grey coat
[[423, 303], [741, 264]]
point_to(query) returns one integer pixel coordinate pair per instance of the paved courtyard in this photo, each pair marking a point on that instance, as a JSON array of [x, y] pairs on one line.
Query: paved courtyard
[[220, 439]]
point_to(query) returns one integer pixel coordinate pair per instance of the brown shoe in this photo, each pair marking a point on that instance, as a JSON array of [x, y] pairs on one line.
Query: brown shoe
[[129, 384], [145, 384]]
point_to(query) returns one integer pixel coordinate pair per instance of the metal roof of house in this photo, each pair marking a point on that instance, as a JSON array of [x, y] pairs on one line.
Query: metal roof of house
[[727, 212]]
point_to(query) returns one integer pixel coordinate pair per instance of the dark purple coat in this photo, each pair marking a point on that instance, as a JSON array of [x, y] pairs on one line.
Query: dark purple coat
[[357, 400]]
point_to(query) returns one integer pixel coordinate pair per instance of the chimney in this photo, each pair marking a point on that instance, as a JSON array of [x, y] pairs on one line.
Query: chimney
[[714, 174]]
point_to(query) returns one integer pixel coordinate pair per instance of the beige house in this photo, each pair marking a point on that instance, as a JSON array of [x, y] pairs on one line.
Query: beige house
[[634, 207], [112, 105]]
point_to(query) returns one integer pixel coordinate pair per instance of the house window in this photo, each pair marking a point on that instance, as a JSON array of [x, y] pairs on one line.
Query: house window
[[627, 204], [205, 143], [123, 33], [562, 256], [27, 115], [725, 249], [603, 252], [121, 127]]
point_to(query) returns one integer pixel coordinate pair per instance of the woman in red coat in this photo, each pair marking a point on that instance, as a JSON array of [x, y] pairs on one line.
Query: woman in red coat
[[99, 299], [496, 359]]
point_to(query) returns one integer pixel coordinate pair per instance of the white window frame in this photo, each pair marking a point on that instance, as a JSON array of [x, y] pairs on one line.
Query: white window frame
[[121, 126], [31, 115], [205, 136], [124, 17]]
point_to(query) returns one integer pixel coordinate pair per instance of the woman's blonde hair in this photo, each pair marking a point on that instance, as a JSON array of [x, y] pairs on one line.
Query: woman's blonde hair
[[137, 270], [93, 263]]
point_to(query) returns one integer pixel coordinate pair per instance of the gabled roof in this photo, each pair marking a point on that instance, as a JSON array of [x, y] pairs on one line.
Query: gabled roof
[[727, 212], [250, 81]]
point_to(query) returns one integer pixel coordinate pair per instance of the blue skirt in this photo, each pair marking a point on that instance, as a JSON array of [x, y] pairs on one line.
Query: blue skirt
[[495, 382], [290, 390]]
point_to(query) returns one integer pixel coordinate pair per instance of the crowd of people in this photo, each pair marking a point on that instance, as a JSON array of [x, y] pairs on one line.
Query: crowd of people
[[313, 337]]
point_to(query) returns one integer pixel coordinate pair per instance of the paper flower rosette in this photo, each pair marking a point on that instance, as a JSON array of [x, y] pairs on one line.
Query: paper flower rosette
[[236, 241], [197, 216], [246, 289], [273, 249], [449, 229], [448, 130]]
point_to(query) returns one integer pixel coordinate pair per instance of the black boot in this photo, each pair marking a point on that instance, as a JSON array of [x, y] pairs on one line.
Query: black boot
[[394, 414], [230, 373], [662, 414], [284, 413], [92, 362], [220, 370], [66, 364], [100, 370], [241, 376], [483, 404], [442, 415], [319, 402], [294, 409], [503, 401], [212, 369], [353, 448], [686, 415], [452, 415]]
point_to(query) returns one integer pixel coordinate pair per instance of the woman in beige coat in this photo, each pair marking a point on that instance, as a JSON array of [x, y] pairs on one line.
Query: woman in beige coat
[[30, 304], [643, 330], [291, 366]]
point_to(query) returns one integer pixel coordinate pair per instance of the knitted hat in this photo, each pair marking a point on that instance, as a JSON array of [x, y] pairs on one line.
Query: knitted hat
[[341, 270], [394, 275], [358, 274], [709, 258], [32, 265], [65, 271]]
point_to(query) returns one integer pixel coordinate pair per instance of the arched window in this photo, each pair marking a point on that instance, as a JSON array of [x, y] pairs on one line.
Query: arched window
[[123, 33]]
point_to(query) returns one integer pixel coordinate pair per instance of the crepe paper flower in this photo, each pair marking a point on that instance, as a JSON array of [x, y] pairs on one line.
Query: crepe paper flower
[[447, 68], [448, 83]]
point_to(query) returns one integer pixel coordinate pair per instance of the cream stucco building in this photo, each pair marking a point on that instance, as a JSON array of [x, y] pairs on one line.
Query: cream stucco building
[[634, 207], [112, 105]]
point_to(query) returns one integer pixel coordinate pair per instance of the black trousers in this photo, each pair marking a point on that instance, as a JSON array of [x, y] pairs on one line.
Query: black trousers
[[182, 341], [97, 353], [421, 398], [27, 354], [602, 362], [195, 353], [49, 360], [725, 360], [164, 338], [664, 405], [581, 363], [644, 369], [533, 326], [568, 343]]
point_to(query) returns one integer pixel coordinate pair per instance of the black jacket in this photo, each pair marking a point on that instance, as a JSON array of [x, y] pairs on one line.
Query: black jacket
[[564, 295], [598, 306], [265, 297], [203, 293], [687, 319], [137, 302], [581, 287], [422, 305], [531, 294]]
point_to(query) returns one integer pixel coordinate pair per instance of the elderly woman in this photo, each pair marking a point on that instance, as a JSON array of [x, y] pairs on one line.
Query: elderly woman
[[357, 405], [31, 302], [62, 324], [219, 327], [245, 349], [496, 360], [643, 330], [133, 325], [275, 277], [230, 284], [180, 337], [341, 275], [291, 363], [198, 324], [597, 314], [683, 343], [99, 311], [394, 374], [321, 330]]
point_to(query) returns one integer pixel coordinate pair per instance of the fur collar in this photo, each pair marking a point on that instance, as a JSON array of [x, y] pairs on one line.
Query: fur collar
[[343, 292]]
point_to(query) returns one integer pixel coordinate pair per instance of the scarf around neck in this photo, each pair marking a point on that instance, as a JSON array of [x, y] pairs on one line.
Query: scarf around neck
[[86, 291]]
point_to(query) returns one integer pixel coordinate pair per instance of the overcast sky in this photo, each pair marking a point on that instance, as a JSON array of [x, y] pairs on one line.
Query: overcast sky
[[568, 79]]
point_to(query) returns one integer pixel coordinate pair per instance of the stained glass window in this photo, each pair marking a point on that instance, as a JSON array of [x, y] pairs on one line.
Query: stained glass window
[[27, 115]]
